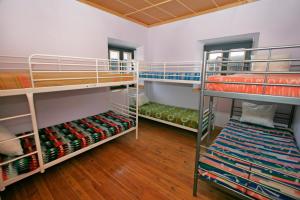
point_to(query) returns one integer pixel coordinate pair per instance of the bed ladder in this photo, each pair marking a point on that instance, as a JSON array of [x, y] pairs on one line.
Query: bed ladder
[[34, 133]]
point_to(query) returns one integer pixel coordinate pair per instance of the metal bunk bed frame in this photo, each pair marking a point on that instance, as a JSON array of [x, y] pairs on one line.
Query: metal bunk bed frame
[[174, 73], [57, 60], [166, 72], [294, 101]]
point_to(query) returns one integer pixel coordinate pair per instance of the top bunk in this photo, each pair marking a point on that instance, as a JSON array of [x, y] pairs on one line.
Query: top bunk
[[172, 72], [48, 73], [262, 74]]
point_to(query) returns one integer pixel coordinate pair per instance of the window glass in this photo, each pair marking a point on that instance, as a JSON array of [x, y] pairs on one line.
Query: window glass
[[214, 56], [114, 55], [238, 55], [127, 56]]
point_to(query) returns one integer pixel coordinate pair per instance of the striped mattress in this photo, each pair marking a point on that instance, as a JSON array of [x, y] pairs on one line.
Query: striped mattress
[[63, 139], [279, 90], [187, 76], [268, 164]]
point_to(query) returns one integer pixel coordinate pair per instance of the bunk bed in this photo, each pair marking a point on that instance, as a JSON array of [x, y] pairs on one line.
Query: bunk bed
[[249, 159], [44, 147], [173, 73]]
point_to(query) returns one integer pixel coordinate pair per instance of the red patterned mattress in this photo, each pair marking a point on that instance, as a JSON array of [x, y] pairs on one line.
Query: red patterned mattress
[[256, 89]]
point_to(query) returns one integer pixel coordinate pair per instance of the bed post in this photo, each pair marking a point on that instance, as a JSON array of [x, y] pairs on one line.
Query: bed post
[[35, 130], [292, 113], [210, 109], [30, 70], [200, 126], [137, 101], [232, 108]]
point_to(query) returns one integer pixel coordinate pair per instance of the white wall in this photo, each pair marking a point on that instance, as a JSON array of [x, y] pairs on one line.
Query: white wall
[[276, 21], [163, 92], [65, 27]]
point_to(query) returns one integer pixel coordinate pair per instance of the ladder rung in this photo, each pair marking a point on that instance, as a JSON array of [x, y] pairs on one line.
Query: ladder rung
[[15, 138], [14, 117], [18, 158]]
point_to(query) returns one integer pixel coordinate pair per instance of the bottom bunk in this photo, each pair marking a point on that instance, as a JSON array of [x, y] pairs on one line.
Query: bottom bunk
[[176, 116], [62, 141], [253, 161]]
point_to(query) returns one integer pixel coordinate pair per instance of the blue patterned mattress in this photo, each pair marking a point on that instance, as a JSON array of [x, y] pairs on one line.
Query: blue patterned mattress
[[188, 76], [260, 162]]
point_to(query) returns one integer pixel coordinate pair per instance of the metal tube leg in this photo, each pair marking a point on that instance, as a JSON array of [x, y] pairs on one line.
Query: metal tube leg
[[211, 100], [2, 188], [35, 130], [137, 103], [199, 136], [137, 113], [200, 125]]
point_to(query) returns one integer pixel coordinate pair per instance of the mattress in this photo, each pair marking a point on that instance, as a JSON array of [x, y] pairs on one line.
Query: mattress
[[21, 79], [256, 89], [63, 139], [181, 116], [269, 158], [188, 76]]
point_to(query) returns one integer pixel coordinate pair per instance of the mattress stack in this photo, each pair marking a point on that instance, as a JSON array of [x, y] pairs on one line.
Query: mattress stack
[[268, 164], [63, 139]]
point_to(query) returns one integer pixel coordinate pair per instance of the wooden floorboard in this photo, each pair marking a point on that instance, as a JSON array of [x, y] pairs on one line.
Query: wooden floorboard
[[159, 165]]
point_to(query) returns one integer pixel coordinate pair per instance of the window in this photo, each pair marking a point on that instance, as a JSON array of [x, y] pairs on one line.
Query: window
[[120, 53], [236, 56], [117, 54]]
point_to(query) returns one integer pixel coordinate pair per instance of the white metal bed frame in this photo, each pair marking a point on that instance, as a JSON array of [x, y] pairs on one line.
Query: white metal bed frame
[[97, 65], [40, 63], [241, 96], [186, 72], [183, 72]]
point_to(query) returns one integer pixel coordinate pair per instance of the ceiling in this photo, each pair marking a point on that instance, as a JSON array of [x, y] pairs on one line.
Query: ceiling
[[156, 12]]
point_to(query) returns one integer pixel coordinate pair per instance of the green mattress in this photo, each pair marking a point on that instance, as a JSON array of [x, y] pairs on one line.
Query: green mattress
[[181, 116]]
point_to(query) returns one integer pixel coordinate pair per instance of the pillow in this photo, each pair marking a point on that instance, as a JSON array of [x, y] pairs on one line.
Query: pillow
[[11, 148], [258, 114], [142, 98], [281, 66]]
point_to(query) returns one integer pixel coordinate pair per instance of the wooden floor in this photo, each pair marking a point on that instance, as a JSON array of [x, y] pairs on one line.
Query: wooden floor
[[159, 165]]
